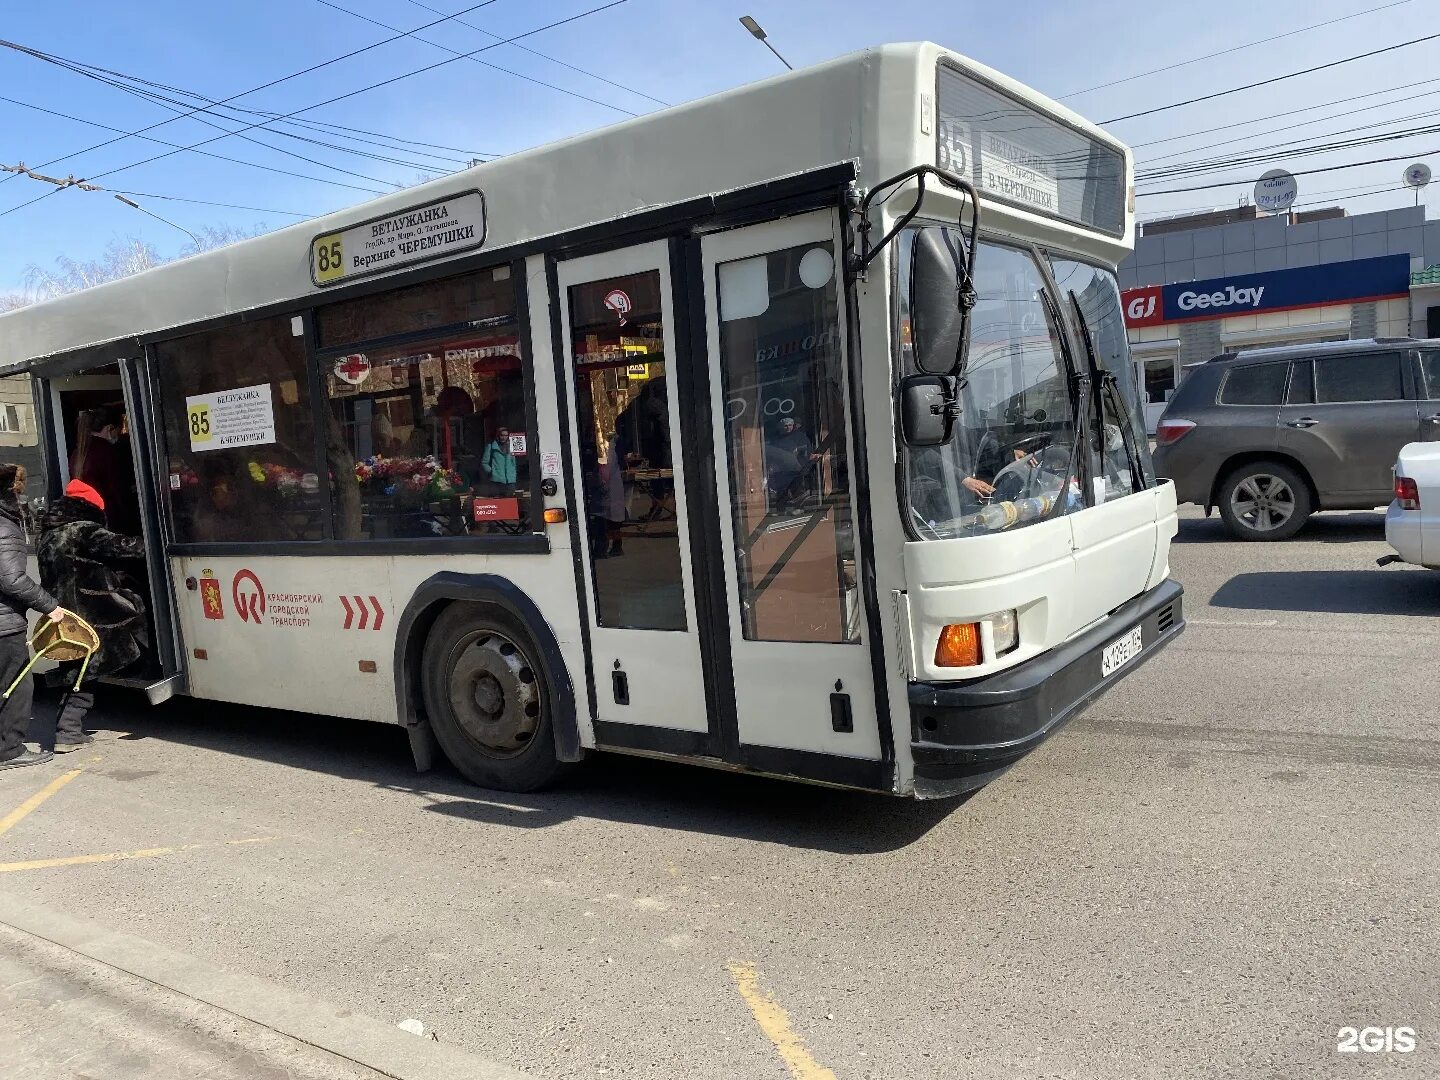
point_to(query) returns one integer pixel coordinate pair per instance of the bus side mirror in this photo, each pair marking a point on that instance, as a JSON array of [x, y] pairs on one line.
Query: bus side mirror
[[939, 310], [926, 409]]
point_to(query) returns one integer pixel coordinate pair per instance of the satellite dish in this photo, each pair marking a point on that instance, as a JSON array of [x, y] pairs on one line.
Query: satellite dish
[[1276, 191], [1417, 175]]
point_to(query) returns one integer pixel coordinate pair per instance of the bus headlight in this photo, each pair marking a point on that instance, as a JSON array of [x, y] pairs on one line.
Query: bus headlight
[[1004, 631]]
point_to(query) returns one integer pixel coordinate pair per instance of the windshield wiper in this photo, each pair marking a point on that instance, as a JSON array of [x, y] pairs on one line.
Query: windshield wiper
[[1105, 381]]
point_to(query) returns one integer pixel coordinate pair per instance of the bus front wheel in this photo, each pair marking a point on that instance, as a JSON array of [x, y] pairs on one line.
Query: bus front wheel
[[487, 695]]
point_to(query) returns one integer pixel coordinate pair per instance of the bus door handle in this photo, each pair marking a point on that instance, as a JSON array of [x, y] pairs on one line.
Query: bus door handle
[[1304, 422], [1433, 419]]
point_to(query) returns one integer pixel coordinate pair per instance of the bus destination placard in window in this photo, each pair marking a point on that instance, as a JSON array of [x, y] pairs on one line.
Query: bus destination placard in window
[[244, 416], [417, 234]]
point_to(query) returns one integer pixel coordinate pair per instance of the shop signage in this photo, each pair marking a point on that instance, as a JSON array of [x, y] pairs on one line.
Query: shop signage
[[1278, 290], [1275, 191], [418, 234]]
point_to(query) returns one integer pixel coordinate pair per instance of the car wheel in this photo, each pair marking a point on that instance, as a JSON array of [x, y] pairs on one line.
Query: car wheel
[[487, 695], [1265, 500]]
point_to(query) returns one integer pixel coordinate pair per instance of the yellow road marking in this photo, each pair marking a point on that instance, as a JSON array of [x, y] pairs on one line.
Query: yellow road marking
[[775, 1023], [10, 820], [117, 856]]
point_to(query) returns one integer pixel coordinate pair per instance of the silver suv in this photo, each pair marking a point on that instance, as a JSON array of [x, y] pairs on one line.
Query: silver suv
[[1272, 435]]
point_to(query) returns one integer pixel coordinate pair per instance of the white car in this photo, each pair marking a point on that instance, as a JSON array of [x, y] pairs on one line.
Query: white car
[[1412, 523]]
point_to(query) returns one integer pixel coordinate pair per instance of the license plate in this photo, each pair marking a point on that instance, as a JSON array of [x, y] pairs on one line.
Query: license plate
[[1119, 653]]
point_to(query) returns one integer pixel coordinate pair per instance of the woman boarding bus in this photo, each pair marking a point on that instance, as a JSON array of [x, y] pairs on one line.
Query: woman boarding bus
[[900, 253]]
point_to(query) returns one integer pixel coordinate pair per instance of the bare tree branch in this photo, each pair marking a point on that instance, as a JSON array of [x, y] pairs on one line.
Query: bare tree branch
[[121, 258]]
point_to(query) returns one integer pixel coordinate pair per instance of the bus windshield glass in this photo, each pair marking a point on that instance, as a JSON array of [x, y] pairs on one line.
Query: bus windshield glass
[[1009, 463]]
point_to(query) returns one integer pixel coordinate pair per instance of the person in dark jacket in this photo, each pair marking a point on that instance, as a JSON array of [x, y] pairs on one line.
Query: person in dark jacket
[[81, 562], [19, 595]]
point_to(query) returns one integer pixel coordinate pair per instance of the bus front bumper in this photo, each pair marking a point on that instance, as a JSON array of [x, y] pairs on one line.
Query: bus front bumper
[[963, 735]]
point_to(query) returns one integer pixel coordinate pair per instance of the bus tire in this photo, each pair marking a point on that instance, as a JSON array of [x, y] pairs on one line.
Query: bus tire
[[487, 695]]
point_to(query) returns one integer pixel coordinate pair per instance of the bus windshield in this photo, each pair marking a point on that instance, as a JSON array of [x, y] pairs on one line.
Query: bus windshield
[[1012, 460]]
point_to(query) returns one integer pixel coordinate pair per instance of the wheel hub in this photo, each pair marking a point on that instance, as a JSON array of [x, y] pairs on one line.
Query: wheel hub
[[1263, 502], [495, 694]]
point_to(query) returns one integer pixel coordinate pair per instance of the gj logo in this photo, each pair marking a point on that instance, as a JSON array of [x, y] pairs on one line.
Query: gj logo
[[1143, 307], [249, 596]]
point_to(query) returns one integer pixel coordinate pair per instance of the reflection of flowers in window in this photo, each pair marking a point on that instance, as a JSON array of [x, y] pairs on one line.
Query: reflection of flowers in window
[[286, 482], [182, 476], [412, 479]]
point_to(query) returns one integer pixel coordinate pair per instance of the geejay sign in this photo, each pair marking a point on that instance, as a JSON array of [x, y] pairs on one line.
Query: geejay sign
[[1382, 278]]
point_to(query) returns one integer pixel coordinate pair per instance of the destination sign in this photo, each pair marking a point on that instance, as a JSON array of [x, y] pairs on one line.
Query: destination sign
[[1015, 153], [421, 233]]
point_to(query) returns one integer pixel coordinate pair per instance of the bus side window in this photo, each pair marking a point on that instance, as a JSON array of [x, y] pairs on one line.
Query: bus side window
[[239, 435]]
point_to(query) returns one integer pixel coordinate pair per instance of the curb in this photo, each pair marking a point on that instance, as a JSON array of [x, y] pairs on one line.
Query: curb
[[353, 1036]]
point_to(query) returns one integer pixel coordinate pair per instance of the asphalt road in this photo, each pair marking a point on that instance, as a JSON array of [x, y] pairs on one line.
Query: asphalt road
[[1229, 858]]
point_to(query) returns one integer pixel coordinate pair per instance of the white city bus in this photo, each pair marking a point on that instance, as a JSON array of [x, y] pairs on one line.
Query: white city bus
[[792, 430]]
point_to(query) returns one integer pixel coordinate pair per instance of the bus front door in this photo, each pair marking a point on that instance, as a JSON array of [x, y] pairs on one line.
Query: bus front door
[[784, 448]]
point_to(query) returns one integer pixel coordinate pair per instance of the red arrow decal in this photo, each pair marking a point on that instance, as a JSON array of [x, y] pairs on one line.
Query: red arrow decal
[[364, 612], [379, 613], [349, 613]]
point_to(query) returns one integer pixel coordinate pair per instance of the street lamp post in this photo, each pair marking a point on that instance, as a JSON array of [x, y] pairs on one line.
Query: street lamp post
[[136, 206], [758, 32]]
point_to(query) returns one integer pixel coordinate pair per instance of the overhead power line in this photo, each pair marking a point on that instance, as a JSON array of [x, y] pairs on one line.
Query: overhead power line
[[1286, 113], [162, 142], [1359, 191], [1295, 172], [207, 202], [331, 101], [563, 63], [1275, 79], [372, 86], [182, 108], [1289, 150], [483, 63], [308, 124], [253, 89], [19, 169], [1226, 52], [1305, 123]]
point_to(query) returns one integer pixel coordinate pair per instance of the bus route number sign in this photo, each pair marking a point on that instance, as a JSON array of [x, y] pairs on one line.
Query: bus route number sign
[[417, 234], [327, 253], [200, 430]]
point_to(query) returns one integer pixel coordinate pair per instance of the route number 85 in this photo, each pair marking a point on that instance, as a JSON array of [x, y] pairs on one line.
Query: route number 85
[[329, 261]]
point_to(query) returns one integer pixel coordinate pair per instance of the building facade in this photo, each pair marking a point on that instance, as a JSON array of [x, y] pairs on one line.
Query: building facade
[[1194, 289]]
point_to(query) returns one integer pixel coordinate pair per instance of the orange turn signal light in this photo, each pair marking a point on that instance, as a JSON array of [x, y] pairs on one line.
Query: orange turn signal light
[[555, 515], [959, 645]]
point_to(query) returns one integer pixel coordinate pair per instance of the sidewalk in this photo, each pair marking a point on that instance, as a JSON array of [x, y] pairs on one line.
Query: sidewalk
[[77, 1000]]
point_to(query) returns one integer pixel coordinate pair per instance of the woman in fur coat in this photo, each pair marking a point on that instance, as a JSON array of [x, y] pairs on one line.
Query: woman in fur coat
[[80, 562]]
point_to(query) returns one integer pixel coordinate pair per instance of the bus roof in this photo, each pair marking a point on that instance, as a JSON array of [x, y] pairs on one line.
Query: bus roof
[[862, 107]]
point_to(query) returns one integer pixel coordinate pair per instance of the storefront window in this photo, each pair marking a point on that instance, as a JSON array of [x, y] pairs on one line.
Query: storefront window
[[428, 437], [235, 406]]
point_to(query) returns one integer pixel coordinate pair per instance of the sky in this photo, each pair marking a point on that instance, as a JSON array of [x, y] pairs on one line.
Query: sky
[[629, 58]]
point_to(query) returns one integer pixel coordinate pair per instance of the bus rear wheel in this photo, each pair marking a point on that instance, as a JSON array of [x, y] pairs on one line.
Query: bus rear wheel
[[487, 695]]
